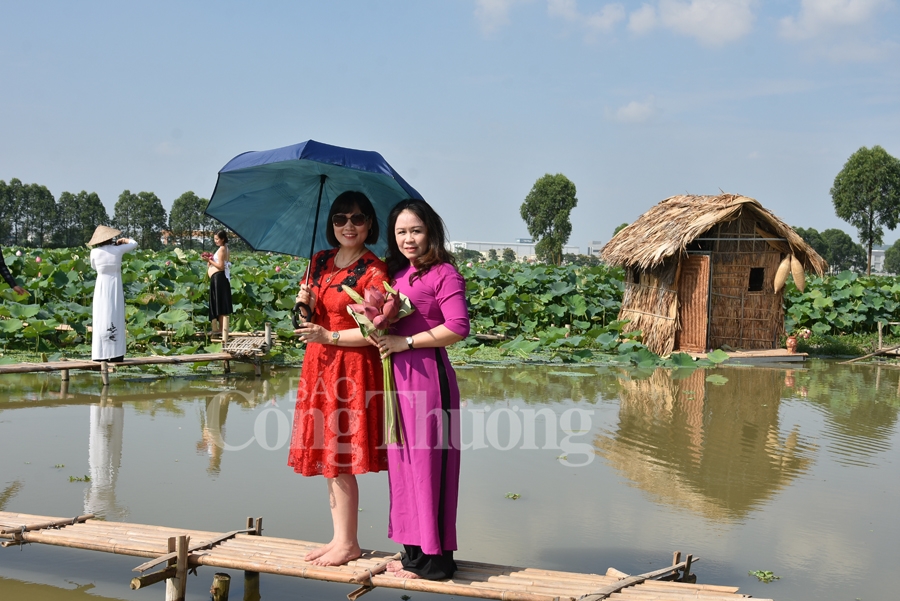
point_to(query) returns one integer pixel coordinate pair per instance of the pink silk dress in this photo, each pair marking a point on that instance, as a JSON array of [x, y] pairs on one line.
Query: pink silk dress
[[424, 472]]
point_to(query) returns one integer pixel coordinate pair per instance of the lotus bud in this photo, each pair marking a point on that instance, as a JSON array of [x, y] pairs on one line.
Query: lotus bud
[[18, 253], [380, 322], [277, 269], [357, 308], [168, 263], [391, 307], [37, 260], [372, 312], [374, 297]]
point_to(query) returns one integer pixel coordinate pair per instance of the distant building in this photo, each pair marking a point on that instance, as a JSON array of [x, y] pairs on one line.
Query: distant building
[[594, 249], [524, 251], [878, 260]]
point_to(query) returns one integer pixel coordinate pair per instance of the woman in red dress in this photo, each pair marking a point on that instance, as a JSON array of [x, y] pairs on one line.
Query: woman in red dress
[[337, 429]]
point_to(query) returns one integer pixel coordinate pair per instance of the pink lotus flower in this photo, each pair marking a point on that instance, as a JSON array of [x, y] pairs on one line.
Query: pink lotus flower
[[18, 253], [277, 269], [374, 313], [168, 263], [37, 260], [374, 297]]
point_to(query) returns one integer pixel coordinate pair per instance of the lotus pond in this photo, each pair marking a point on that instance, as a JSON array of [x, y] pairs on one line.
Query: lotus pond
[[788, 473]]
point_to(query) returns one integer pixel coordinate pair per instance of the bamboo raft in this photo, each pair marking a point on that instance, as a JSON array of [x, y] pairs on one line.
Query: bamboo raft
[[240, 348], [247, 549]]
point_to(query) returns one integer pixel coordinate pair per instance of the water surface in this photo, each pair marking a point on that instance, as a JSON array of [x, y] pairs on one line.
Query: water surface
[[796, 471]]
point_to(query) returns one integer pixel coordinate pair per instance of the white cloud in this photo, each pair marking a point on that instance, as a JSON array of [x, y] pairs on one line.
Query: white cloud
[[821, 16], [711, 22], [600, 21], [492, 14], [643, 19], [636, 112]]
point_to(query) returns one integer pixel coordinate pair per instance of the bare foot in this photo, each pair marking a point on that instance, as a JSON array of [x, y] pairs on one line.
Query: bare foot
[[394, 566], [318, 552], [405, 574], [338, 555]]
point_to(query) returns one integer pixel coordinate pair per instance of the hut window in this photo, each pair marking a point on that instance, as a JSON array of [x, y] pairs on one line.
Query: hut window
[[756, 279]]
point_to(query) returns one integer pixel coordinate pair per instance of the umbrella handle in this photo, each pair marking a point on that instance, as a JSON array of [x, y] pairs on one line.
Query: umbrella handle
[[300, 314]]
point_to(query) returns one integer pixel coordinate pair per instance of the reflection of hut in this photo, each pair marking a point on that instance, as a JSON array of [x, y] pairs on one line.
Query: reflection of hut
[[700, 273], [713, 449]]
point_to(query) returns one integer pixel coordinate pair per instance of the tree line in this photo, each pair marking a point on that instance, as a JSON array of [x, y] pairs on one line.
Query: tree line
[[32, 217]]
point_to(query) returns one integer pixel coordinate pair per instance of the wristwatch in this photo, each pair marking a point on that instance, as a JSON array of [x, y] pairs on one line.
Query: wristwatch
[[409, 341], [335, 336]]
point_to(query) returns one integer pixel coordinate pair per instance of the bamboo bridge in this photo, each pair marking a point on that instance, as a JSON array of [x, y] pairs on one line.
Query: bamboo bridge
[[180, 551]]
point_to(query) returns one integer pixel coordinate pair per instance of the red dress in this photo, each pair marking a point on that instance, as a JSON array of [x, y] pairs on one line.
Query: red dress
[[338, 418]]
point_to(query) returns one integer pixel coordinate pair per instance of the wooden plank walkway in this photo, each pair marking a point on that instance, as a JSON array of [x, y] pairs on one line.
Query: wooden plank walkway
[[250, 551]]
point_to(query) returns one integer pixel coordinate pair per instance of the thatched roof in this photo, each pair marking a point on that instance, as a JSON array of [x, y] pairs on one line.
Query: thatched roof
[[668, 228]]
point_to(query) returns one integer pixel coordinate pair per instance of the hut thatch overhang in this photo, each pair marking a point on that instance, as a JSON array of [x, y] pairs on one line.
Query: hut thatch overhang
[[701, 273], [667, 229]]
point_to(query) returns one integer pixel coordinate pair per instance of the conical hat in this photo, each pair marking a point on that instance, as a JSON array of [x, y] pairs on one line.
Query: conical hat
[[102, 234]]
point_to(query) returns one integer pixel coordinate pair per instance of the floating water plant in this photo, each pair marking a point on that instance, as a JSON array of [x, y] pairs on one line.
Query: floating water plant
[[764, 576]]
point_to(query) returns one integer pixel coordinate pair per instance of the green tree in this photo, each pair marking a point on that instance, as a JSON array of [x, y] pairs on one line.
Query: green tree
[[142, 217], [620, 228], [13, 214], [843, 253], [509, 255], [581, 260], [5, 207], [187, 218], [78, 215], [466, 254], [546, 214], [814, 239], [492, 254], [892, 258], [38, 215], [866, 194]]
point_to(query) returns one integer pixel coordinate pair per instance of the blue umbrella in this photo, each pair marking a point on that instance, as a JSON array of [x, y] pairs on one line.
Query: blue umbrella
[[278, 200]]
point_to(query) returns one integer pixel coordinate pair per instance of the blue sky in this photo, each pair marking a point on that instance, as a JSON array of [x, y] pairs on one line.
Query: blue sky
[[470, 100]]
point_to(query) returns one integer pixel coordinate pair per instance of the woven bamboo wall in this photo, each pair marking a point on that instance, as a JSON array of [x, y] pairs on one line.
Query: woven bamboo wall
[[740, 318], [650, 302]]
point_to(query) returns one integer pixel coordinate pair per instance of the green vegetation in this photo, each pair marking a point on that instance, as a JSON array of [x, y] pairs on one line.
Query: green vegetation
[[866, 194], [518, 311], [546, 214], [764, 576]]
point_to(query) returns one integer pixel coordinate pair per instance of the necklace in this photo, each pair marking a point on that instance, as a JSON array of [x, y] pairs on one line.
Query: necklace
[[335, 268]]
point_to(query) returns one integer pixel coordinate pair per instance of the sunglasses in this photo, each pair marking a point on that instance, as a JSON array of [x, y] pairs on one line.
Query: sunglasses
[[357, 219]]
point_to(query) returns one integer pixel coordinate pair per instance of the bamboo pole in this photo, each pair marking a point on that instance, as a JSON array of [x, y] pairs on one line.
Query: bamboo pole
[[176, 586], [251, 586], [881, 351], [152, 578], [48, 524], [220, 587]]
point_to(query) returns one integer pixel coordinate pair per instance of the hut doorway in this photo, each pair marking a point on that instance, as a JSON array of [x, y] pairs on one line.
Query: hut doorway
[[693, 309]]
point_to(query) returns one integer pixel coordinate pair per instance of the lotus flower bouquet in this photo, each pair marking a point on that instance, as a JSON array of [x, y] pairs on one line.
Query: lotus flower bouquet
[[374, 313]]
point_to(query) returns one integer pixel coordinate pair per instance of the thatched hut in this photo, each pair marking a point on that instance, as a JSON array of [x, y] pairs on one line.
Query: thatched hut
[[702, 272]]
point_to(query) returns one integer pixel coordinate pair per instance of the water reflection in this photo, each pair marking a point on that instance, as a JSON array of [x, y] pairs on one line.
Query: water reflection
[[714, 449], [104, 458], [537, 384], [860, 404]]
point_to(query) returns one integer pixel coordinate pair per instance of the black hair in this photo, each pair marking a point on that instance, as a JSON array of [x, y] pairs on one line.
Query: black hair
[[223, 236], [435, 231], [344, 203]]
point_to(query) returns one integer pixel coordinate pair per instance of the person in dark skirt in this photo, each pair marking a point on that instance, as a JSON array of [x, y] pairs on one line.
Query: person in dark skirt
[[219, 272], [4, 272]]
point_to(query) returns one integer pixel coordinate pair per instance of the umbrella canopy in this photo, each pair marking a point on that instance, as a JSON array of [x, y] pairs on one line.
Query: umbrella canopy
[[278, 200]]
